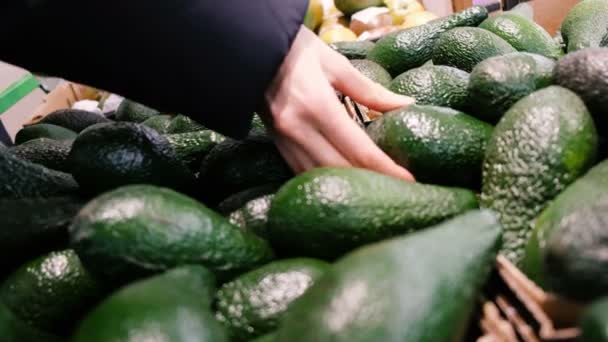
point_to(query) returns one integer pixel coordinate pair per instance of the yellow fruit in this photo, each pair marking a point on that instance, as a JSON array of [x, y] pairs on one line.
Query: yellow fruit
[[418, 18], [314, 16], [401, 8], [349, 7], [332, 23], [338, 34]]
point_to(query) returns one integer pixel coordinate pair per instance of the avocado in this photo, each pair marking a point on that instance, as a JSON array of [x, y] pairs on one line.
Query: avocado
[[159, 123], [604, 42], [191, 148], [420, 287], [132, 111], [20, 178], [583, 193], [173, 306], [437, 85], [353, 50], [46, 152], [499, 82], [254, 303], [137, 230], [32, 226], [253, 216], [44, 131], [586, 73], [51, 292], [183, 124], [327, 212], [541, 145], [585, 25], [257, 125], [236, 165], [74, 119], [108, 156], [439, 145], [266, 338], [523, 34], [594, 322], [373, 71], [465, 47], [14, 330], [349, 7], [410, 48], [239, 199]]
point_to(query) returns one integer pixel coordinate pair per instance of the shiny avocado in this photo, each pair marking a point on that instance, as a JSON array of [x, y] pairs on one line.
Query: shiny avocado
[[541, 145], [46, 152], [585, 25], [253, 216], [132, 111], [373, 71], [353, 50], [74, 119], [159, 123], [44, 131]]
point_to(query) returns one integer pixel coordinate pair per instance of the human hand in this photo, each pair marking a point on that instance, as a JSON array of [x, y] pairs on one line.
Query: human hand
[[310, 126]]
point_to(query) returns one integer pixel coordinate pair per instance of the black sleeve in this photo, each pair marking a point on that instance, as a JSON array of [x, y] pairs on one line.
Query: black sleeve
[[211, 60]]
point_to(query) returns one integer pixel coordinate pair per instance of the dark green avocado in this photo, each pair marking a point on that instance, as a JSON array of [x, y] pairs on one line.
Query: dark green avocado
[[46, 152], [138, 230], [253, 216], [74, 119], [132, 111], [108, 156], [353, 50], [523, 34], [586, 73], [254, 303], [44, 131], [499, 82], [51, 293], [183, 124], [20, 178], [13, 329], [403, 50], [420, 287], [159, 123], [541, 145], [594, 322], [238, 200], [174, 306], [437, 85], [438, 145], [191, 148], [465, 47], [327, 212], [373, 71]]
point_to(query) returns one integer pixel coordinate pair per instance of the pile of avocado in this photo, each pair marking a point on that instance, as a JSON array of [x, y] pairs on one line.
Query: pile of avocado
[[147, 226]]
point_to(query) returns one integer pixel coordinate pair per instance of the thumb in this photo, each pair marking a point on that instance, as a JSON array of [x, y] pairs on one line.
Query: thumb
[[347, 79]]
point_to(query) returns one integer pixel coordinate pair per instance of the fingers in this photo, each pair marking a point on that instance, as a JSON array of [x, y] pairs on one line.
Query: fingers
[[347, 79]]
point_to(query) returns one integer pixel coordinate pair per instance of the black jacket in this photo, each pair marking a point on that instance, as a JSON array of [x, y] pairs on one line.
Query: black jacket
[[209, 59]]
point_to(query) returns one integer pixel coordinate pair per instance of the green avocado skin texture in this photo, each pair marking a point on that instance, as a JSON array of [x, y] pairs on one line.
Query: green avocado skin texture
[[46, 152], [236, 165], [594, 322], [465, 47], [20, 179], [438, 145], [327, 212], [353, 50], [254, 303], [542, 144], [183, 124], [411, 48], [108, 156], [44, 131], [266, 338], [173, 306], [240, 199], [499, 82], [192, 147], [523, 34], [586, 73], [253, 216], [373, 71], [585, 25], [74, 119], [51, 292], [385, 292], [33, 226], [137, 230], [159, 123], [587, 190], [132, 111], [437, 85], [13, 329]]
